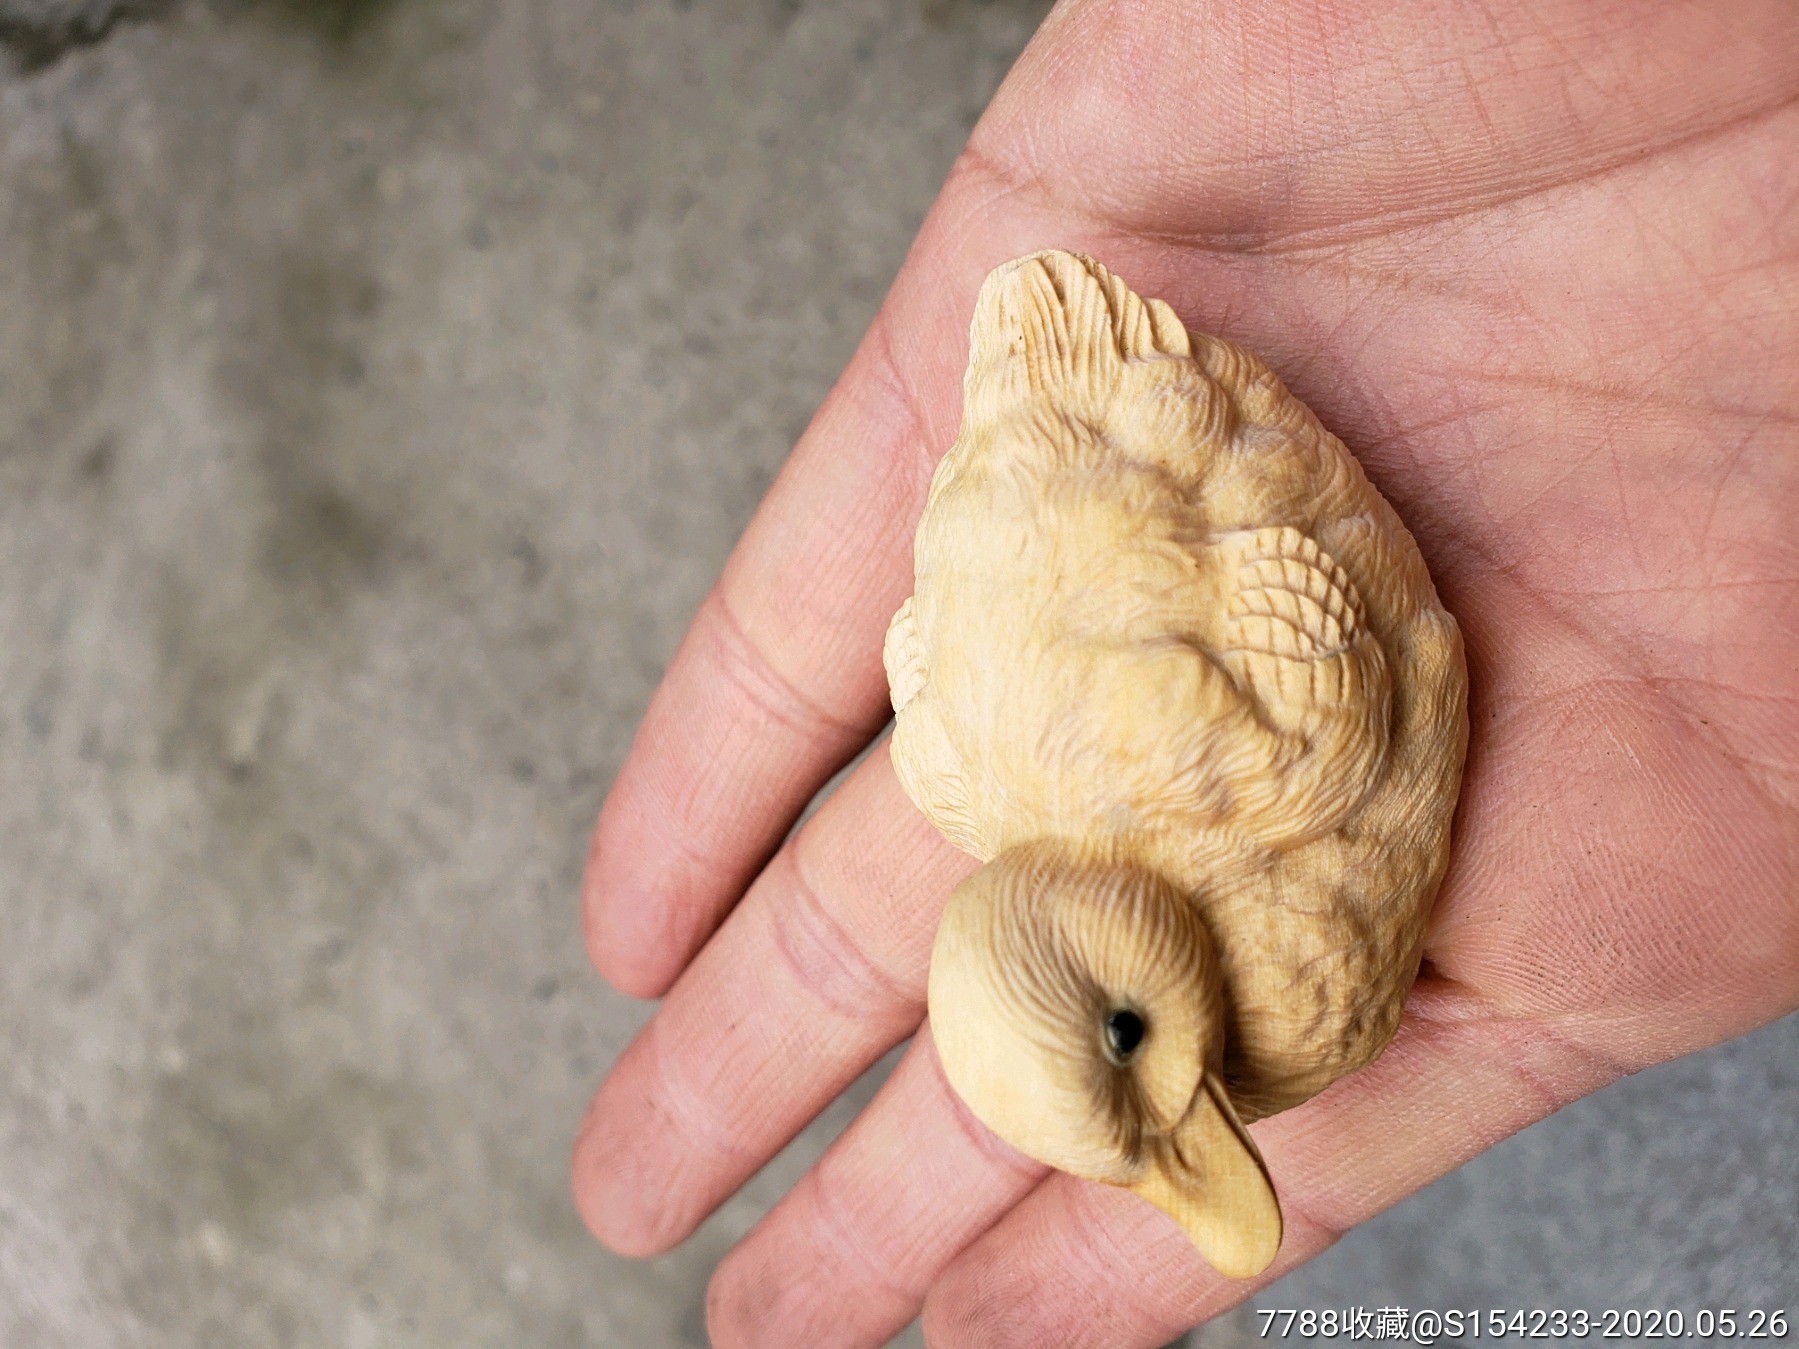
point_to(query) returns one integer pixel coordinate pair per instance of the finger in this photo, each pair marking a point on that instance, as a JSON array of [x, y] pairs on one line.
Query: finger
[[845, 1259], [819, 972], [773, 689], [1081, 1264], [779, 680]]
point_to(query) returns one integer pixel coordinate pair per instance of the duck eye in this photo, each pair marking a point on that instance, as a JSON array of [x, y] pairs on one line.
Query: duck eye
[[1124, 1032]]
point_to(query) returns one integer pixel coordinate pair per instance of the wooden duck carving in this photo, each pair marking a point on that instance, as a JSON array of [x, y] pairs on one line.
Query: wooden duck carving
[[1176, 673]]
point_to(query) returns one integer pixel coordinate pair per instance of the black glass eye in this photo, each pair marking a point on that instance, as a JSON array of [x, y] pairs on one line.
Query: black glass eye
[[1124, 1032]]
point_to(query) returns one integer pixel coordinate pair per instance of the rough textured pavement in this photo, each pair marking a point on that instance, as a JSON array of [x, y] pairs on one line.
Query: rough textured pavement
[[381, 384]]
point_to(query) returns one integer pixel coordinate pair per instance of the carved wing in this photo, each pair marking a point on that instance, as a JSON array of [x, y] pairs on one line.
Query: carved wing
[[1297, 646]]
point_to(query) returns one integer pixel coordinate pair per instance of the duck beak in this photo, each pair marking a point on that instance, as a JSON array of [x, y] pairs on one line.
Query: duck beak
[[1209, 1178]]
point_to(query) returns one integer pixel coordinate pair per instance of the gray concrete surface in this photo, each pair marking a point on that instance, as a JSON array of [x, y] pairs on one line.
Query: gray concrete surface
[[381, 384]]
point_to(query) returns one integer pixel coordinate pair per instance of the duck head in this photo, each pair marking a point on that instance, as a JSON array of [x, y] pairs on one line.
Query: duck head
[[1077, 1008]]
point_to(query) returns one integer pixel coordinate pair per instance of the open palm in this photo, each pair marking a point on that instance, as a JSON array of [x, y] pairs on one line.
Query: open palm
[[1538, 265]]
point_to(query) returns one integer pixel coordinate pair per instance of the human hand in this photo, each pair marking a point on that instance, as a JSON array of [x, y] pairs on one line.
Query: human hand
[[1538, 266]]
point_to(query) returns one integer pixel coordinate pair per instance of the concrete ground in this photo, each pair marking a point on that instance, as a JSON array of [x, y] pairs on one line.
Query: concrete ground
[[381, 384]]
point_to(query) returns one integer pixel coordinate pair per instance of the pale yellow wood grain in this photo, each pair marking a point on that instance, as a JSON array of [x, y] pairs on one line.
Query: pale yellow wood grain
[[1176, 673]]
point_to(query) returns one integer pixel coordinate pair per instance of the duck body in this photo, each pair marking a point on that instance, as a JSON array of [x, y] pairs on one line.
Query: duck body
[[1162, 621]]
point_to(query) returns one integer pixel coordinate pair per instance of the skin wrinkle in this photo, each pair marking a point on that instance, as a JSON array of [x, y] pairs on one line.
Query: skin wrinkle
[[682, 915], [1708, 531], [1112, 44], [826, 961], [862, 531], [825, 606], [1639, 399], [676, 907], [1623, 401], [885, 369], [695, 858], [689, 1111], [1361, 228], [891, 1013], [748, 669], [843, 1240], [1323, 243], [1551, 1094]]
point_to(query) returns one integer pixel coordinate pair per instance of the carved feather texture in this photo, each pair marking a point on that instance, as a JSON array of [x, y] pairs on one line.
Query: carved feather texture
[[1166, 640]]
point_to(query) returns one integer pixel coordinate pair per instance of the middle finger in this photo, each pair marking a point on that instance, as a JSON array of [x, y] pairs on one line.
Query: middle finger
[[818, 972]]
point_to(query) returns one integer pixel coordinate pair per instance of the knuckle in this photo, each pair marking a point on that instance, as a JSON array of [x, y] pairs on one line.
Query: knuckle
[[825, 958]]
